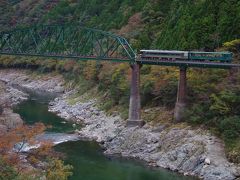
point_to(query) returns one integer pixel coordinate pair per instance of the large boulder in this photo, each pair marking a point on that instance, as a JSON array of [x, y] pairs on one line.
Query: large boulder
[[10, 120]]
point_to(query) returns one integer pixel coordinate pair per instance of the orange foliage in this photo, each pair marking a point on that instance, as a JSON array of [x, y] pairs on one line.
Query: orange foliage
[[90, 70], [134, 23], [24, 134], [69, 65]]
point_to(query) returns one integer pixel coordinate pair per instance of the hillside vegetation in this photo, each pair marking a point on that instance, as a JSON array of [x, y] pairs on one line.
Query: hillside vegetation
[[213, 95]]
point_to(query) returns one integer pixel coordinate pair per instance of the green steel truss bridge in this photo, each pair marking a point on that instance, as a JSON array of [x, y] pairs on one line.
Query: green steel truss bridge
[[66, 41], [81, 43]]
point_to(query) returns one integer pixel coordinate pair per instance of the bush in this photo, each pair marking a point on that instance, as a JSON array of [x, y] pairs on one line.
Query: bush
[[7, 172], [233, 150], [230, 127], [57, 170], [107, 105], [221, 115]]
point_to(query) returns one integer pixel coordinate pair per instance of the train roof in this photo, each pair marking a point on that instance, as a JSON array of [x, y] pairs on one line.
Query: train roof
[[162, 51], [198, 52], [173, 51]]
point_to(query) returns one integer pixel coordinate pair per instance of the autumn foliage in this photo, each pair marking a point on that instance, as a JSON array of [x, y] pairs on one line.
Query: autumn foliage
[[13, 161]]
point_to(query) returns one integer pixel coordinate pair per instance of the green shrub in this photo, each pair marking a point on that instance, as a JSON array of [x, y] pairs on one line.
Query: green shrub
[[107, 105], [221, 115], [230, 127], [7, 172], [233, 150]]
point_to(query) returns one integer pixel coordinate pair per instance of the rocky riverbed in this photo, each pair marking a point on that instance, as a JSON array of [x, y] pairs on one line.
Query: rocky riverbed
[[15, 87], [188, 151], [8, 96], [183, 149]]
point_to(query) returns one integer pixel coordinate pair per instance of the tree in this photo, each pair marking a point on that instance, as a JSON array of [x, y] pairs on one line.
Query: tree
[[58, 171], [233, 45], [10, 163]]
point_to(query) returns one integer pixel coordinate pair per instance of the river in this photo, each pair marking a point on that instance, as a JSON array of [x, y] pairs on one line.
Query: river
[[87, 158]]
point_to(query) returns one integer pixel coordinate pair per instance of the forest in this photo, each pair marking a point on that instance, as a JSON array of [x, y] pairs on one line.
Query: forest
[[206, 25]]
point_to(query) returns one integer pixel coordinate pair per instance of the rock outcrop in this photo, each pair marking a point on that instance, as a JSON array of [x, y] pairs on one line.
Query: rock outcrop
[[188, 151], [15, 87], [8, 119], [98, 126], [25, 81]]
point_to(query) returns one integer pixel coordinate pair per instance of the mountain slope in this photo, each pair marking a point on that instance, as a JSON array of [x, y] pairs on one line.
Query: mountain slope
[[213, 95]]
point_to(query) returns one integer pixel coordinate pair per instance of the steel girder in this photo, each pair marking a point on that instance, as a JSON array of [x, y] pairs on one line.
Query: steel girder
[[66, 41]]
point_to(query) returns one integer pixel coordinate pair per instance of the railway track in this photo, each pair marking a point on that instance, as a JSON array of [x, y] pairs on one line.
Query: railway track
[[186, 63]]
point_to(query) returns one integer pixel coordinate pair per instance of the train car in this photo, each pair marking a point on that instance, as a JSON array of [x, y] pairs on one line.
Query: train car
[[163, 55], [210, 56]]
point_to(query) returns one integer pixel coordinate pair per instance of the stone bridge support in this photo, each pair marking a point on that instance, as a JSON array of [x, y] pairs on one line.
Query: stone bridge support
[[135, 99], [180, 106]]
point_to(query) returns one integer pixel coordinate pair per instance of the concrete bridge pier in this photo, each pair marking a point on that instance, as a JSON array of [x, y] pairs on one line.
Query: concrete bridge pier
[[180, 106], [135, 99]]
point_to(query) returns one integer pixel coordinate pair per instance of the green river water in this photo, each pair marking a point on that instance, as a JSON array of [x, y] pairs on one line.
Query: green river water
[[87, 157]]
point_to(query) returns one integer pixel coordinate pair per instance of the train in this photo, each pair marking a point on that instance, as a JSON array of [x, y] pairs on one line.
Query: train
[[222, 57]]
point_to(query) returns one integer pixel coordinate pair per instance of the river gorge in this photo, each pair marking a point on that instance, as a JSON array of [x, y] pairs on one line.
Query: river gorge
[[87, 157], [101, 147]]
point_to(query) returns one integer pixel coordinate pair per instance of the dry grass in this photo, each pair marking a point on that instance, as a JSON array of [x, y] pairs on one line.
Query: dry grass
[[158, 115]]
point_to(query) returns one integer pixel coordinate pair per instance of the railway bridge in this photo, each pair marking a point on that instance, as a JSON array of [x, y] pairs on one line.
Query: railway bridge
[[82, 44]]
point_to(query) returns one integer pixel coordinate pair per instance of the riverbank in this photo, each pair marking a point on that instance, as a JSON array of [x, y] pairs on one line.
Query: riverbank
[[15, 87], [177, 147], [14, 129], [8, 97]]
